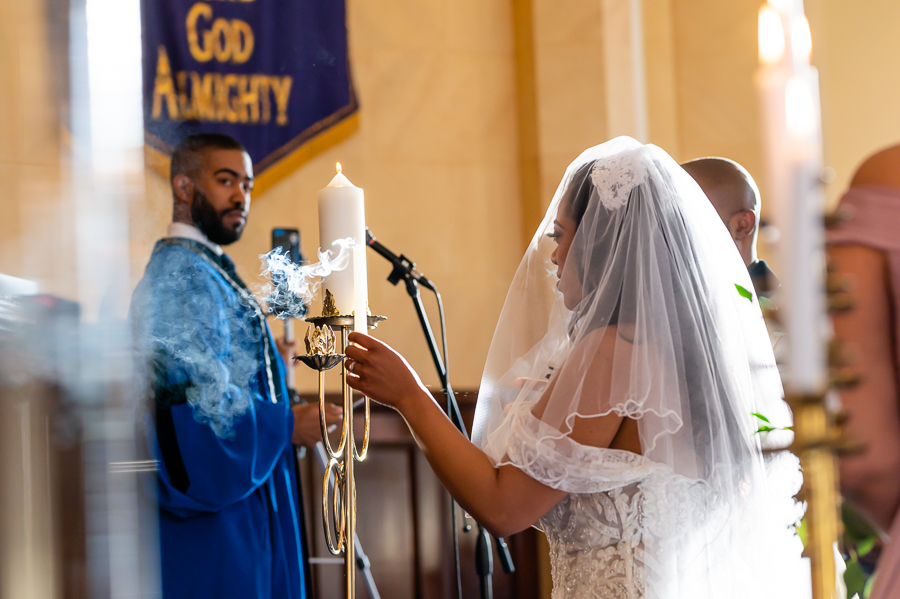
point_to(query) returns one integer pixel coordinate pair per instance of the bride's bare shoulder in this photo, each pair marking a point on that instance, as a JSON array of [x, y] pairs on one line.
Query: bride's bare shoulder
[[604, 342]]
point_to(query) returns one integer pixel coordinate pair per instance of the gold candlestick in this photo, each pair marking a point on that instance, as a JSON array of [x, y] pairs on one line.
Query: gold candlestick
[[339, 518], [816, 440]]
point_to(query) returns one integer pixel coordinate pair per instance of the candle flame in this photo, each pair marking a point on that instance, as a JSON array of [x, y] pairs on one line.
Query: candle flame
[[771, 35], [801, 38], [337, 167]]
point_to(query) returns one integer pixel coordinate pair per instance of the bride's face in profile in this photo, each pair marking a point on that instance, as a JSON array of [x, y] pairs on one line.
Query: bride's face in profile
[[564, 228]]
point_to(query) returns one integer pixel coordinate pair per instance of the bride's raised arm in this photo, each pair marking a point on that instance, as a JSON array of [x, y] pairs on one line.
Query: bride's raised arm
[[505, 500]]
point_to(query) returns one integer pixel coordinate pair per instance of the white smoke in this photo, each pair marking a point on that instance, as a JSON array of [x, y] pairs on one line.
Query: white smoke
[[292, 287]]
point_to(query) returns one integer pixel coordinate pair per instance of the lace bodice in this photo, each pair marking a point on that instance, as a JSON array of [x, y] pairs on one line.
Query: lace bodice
[[632, 528], [596, 545], [624, 543]]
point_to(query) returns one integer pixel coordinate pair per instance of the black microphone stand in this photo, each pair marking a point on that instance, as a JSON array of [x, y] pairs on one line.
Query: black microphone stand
[[405, 270]]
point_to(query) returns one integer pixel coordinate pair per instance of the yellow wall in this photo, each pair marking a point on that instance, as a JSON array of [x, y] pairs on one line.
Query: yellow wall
[[570, 85]]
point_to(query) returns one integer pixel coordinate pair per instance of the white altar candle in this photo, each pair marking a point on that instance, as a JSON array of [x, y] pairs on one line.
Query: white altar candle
[[789, 96], [342, 214]]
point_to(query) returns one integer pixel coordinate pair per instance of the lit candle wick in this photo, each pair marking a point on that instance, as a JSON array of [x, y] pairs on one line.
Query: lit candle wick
[[337, 167]]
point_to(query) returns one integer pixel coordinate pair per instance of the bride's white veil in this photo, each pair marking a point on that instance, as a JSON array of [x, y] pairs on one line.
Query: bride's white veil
[[654, 276]]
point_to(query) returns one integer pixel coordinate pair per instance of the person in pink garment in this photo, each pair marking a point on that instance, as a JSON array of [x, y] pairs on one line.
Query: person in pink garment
[[867, 249]]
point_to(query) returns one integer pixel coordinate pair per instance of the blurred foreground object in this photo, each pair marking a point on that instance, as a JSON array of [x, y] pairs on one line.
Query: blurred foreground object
[[61, 470], [865, 253], [788, 90], [31, 523]]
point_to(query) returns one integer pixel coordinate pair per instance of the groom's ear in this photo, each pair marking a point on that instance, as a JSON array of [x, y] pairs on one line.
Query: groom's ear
[[742, 225], [182, 188]]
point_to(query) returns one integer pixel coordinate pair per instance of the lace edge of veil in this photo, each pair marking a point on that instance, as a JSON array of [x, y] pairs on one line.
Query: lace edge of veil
[[557, 461]]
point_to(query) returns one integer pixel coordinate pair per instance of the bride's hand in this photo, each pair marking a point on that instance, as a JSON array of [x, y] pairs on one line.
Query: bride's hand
[[375, 369]]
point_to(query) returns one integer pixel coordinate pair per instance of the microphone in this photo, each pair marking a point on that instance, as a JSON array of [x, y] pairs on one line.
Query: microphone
[[404, 268]]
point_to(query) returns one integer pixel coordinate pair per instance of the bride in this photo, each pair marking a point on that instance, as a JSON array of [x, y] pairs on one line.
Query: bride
[[616, 408]]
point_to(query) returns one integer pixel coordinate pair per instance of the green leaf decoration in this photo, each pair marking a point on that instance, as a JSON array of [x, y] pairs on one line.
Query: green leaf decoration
[[761, 417], [743, 292], [803, 532], [765, 429], [866, 545], [854, 577]]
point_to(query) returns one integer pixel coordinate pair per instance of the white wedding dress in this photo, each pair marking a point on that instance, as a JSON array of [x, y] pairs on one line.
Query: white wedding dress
[[646, 318], [596, 544], [605, 544]]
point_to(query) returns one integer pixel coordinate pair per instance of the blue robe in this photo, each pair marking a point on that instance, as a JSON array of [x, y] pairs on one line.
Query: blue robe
[[230, 514]]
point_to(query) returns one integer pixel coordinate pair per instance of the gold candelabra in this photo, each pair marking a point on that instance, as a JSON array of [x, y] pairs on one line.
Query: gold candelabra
[[815, 442], [339, 506]]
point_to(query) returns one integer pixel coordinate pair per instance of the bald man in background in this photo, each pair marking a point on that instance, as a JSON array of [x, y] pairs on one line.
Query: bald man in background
[[735, 197]]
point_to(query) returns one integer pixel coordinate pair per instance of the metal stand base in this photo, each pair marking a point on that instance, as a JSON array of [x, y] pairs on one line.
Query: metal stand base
[[362, 560]]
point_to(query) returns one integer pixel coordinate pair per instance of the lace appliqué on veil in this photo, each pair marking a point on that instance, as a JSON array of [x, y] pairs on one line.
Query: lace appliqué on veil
[[615, 177]]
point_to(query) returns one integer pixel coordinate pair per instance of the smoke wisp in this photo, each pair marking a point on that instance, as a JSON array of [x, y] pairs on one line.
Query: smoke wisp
[[292, 287]]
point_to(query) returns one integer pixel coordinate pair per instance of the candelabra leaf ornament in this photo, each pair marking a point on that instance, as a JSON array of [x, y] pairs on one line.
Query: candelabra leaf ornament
[[320, 353], [321, 356], [328, 306]]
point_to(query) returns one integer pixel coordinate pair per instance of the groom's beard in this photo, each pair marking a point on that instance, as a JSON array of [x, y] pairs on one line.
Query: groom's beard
[[210, 222]]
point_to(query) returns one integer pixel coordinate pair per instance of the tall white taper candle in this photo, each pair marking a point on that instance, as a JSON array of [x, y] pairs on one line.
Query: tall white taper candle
[[788, 90]]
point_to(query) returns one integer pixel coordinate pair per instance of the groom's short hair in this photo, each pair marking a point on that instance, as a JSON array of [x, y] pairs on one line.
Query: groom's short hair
[[187, 158]]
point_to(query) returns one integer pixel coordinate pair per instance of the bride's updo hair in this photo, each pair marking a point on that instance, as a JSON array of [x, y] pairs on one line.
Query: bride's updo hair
[[574, 205], [578, 193]]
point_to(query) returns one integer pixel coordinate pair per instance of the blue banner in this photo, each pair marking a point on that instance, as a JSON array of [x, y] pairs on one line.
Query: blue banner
[[270, 73]]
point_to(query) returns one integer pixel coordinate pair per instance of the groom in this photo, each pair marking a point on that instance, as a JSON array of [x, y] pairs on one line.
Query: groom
[[222, 429]]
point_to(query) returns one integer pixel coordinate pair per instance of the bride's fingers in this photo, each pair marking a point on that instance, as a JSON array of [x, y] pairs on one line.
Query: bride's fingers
[[357, 354], [364, 340], [359, 383]]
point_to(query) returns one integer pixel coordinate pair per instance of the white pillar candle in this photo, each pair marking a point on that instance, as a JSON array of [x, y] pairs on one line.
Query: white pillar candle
[[342, 214]]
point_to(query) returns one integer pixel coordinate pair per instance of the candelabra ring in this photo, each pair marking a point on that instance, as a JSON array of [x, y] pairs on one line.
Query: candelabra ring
[[345, 432], [360, 455], [338, 515]]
